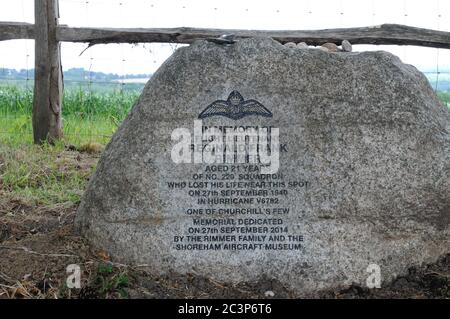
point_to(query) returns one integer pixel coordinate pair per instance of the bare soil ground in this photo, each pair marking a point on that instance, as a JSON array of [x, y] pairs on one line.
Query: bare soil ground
[[38, 242]]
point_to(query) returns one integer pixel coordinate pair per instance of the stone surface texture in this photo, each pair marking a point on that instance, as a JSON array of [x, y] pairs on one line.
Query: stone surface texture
[[365, 130], [302, 45], [346, 46], [331, 47]]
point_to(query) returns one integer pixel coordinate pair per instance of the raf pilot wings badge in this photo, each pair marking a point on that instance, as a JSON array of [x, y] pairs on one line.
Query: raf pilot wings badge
[[235, 107]]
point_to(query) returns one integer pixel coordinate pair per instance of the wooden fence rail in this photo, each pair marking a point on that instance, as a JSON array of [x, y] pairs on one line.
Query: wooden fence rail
[[48, 34], [381, 34]]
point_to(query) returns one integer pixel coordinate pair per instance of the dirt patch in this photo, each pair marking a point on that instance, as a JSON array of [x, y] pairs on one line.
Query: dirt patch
[[427, 282], [19, 220], [37, 245], [34, 261]]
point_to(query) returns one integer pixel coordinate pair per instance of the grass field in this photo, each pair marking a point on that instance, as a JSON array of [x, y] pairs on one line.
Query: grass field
[[88, 116], [445, 98], [51, 175]]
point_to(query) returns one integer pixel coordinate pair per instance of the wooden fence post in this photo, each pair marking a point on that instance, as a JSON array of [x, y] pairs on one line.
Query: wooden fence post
[[48, 77]]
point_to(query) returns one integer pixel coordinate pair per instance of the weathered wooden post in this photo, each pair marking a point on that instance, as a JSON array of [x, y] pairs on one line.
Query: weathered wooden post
[[48, 77]]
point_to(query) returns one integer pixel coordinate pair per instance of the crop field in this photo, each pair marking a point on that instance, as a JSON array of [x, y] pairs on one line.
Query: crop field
[[445, 97], [88, 116]]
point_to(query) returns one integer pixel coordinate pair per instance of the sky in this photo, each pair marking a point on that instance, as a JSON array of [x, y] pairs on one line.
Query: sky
[[226, 14]]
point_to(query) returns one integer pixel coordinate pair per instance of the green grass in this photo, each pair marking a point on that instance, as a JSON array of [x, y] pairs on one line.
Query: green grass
[[51, 175], [43, 175], [445, 97], [77, 101], [110, 282], [88, 116]]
